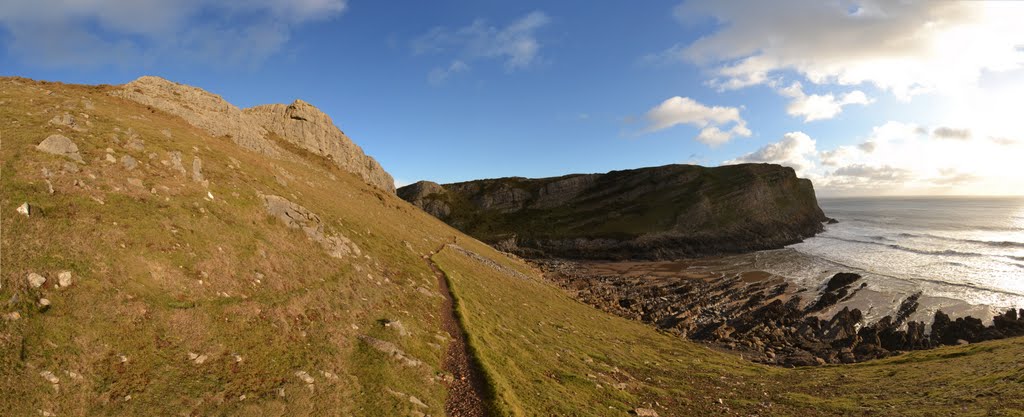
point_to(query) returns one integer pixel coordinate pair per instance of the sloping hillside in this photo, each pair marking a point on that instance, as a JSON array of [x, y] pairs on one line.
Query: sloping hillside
[[165, 270], [661, 212]]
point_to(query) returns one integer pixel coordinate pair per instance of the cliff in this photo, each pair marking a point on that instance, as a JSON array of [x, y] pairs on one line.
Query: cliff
[[661, 212], [262, 129]]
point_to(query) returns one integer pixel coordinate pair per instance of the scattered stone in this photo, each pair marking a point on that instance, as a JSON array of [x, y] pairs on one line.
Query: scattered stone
[[25, 209], [166, 133], [416, 401], [50, 377], [197, 170], [305, 377], [62, 146], [12, 316], [44, 303], [398, 326], [391, 350], [129, 162], [176, 162], [66, 120], [64, 279], [136, 144], [330, 375], [111, 159], [70, 168], [35, 280], [645, 412], [136, 182], [49, 187]]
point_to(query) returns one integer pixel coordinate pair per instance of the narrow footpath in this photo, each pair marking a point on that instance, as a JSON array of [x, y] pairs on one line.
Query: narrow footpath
[[467, 390]]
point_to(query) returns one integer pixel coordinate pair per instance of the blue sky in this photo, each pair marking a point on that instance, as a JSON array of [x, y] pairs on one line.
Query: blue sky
[[862, 97]]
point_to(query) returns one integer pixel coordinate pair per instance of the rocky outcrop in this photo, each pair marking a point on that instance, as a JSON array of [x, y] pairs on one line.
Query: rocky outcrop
[[311, 129], [300, 125], [298, 217], [650, 213], [767, 321], [202, 109]]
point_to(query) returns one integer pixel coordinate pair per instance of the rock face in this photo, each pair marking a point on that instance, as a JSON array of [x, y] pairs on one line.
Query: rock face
[[299, 124], [649, 213], [311, 129]]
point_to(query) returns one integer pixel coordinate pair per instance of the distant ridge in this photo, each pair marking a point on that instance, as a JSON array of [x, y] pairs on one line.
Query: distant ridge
[[654, 213]]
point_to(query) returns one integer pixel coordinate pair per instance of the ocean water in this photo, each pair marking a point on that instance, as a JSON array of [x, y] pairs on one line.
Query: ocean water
[[965, 254]]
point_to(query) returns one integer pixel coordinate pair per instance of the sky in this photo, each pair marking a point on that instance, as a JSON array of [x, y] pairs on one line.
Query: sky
[[862, 97]]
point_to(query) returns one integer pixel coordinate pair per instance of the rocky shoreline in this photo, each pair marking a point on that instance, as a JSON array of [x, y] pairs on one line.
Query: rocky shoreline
[[763, 317]]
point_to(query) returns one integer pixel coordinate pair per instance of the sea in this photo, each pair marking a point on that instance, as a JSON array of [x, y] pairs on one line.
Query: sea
[[965, 255]]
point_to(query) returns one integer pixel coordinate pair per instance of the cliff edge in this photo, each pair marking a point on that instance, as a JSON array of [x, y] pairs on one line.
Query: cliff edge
[[647, 213], [262, 129]]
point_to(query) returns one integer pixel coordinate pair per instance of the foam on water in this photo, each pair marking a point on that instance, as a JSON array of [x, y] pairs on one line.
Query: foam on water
[[966, 249]]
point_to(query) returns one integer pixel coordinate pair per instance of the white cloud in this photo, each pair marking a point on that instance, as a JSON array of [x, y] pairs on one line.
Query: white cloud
[[684, 110], [438, 75], [72, 33], [904, 47], [819, 107], [516, 44], [795, 150]]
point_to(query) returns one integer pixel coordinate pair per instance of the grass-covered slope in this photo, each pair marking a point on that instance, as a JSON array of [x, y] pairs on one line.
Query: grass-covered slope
[[549, 355], [189, 298], [659, 212]]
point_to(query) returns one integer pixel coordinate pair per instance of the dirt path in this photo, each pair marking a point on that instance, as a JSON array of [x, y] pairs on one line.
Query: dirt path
[[467, 391]]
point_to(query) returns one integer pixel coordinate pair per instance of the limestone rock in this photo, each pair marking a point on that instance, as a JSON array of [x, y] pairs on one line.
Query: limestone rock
[[298, 217], [299, 123], [25, 209], [64, 279], [311, 129], [202, 109], [129, 162], [197, 170], [176, 162], [62, 146], [35, 280], [305, 377], [66, 120], [50, 377], [136, 144]]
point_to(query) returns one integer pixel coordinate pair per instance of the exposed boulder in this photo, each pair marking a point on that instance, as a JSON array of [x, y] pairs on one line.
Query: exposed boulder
[[298, 217], [35, 280], [62, 146]]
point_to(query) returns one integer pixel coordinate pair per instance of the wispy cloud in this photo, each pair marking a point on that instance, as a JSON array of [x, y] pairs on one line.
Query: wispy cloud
[[516, 44], [93, 33]]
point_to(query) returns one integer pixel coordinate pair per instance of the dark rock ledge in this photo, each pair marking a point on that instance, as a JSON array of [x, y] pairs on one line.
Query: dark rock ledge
[[768, 322]]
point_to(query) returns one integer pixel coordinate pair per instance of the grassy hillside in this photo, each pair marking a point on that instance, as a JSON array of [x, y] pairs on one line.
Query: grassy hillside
[[189, 298], [658, 212]]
